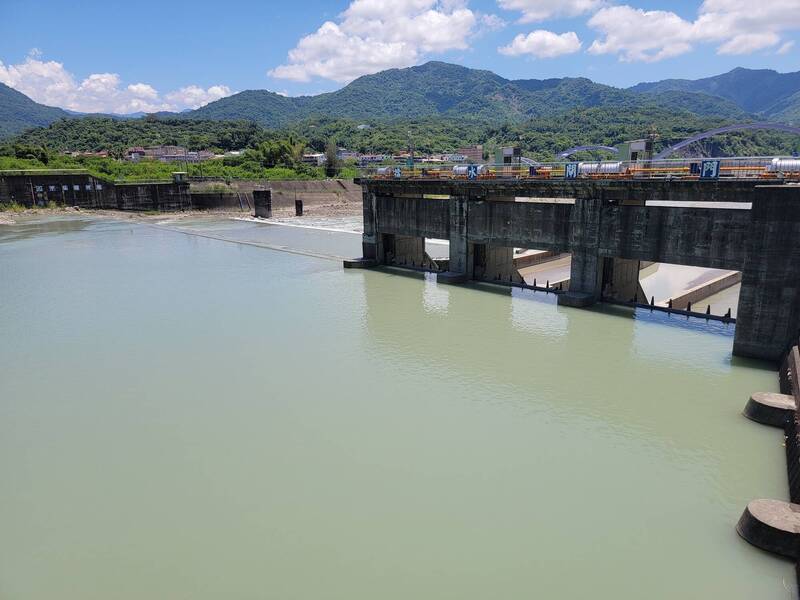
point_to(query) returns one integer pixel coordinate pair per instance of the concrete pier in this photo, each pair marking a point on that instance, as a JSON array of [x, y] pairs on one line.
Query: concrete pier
[[262, 203], [772, 409], [773, 526], [608, 229]]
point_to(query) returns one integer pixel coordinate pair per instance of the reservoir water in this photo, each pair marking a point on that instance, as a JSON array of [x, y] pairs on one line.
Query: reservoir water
[[186, 417]]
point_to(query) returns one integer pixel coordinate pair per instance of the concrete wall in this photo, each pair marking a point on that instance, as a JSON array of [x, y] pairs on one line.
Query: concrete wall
[[152, 196], [404, 250], [413, 217], [221, 200], [520, 224], [86, 191], [494, 263], [43, 188], [312, 193], [205, 195], [769, 303], [704, 290]]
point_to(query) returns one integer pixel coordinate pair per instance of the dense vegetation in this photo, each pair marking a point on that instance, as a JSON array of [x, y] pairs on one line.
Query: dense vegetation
[[277, 159], [539, 138], [438, 89], [91, 134]]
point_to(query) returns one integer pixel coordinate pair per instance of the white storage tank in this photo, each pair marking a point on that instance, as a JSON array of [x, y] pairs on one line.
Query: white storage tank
[[791, 165], [602, 168], [385, 172], [463, 170]]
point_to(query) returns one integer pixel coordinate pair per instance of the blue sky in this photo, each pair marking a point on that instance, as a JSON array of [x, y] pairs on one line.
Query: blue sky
[[124, 57]]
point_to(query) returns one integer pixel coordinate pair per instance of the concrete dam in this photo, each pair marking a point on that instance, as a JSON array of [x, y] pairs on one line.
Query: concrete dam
[[608, 226]]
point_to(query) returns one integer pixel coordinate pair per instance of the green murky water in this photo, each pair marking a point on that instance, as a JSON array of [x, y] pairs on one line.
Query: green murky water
[[187, 418]]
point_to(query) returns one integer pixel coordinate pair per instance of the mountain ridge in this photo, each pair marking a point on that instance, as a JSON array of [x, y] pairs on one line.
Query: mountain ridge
[[438, 89], [444, 89], [18, 112], [763, 92]]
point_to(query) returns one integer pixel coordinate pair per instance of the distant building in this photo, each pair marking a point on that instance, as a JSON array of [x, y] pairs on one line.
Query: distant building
[[455, 157], [135, 154], [345, 154], [100, 154], [316, 158], [472, 154], [368, 159], [167, 154]]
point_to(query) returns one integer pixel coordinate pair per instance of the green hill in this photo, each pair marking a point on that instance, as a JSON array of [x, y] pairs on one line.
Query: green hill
[[18, 112], [446, 90], [762, 92], [260, 106], [443, 106]]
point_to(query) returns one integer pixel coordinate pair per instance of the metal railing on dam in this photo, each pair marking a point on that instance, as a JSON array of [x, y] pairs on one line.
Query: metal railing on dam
[[765, 168], [608, 227]]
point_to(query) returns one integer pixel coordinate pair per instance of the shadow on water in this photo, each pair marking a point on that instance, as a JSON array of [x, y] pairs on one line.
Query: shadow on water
[[615, 310], [404, 272], [27, 229]]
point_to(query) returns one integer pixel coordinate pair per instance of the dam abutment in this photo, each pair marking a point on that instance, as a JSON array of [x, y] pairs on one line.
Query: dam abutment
[[769, 302]]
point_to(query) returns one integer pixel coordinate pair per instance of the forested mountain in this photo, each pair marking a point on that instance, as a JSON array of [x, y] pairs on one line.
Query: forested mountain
[[260, 106], [444, 106], [446, 90], [758, 91], [18, 112]]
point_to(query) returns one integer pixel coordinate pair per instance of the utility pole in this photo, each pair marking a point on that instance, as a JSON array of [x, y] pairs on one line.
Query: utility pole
[[410, 151]]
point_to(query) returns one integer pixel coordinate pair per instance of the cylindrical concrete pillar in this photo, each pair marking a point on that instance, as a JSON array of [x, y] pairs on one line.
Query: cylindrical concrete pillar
[[772, 525], [770, 408], [298, 208], [262, 201]]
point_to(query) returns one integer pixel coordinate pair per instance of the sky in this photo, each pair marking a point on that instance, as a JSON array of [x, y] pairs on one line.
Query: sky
[[145, 56]]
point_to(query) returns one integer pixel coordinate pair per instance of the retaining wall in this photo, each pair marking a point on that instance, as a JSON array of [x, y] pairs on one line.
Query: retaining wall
[[284, 193]]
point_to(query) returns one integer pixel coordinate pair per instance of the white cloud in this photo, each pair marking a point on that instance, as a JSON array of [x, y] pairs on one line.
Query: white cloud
[[194, 96], [723, 20], [746, 43], [737, 26], [373, 35], [491, 22], [143, 90], [542, 44], [785, 48], [541, 10], [48, 82], [638, 35]]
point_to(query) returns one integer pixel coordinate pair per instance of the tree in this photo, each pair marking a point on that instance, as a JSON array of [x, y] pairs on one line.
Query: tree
[[331, 159], [276, 153], [39, 153]]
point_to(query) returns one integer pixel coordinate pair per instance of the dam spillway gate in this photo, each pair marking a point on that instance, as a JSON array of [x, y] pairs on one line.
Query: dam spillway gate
[[608, 226]]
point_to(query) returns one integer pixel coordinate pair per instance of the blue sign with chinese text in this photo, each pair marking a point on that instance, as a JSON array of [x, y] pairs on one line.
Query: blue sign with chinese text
[[709, 169], [571, 171]]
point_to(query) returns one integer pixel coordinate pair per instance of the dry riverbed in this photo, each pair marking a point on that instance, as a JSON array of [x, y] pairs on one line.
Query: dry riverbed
[[339, 209]]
